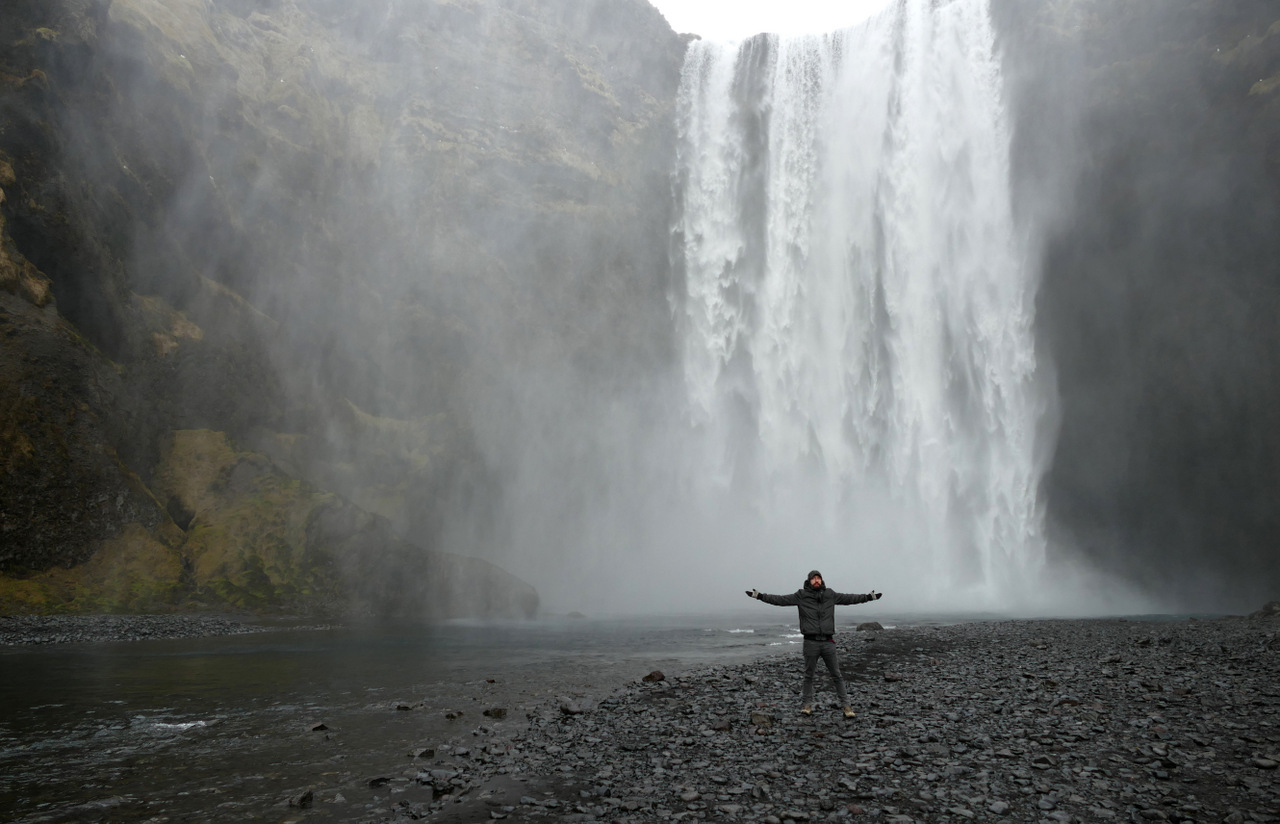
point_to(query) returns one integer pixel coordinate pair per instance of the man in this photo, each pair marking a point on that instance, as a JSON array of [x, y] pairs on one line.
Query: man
[[817, 606]]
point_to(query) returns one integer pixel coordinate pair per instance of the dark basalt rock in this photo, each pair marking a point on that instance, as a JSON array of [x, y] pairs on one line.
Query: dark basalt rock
[[1270, 610], [1005, 721], [1146, 143]]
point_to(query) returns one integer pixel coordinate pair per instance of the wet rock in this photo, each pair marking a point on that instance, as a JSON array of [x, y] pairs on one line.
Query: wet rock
[[654, 677], [1269, 610], [572, 706], [870, 626], [66, 629], [1010, 721], [302, 800], [496, 712]]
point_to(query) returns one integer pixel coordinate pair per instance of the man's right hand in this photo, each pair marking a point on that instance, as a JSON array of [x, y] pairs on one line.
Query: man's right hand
[[875, 596], [753, 593]]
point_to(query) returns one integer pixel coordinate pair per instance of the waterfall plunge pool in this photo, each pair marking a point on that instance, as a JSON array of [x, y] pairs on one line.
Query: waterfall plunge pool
[[224, 728]]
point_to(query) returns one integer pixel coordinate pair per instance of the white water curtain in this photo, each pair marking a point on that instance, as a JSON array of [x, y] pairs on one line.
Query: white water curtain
[[857, 303]]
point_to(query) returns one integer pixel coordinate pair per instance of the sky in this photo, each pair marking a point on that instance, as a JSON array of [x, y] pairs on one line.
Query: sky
[[736, 19]]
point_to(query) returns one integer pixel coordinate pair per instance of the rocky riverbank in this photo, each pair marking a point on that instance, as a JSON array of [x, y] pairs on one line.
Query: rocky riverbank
[[72, 629], [1012, 721]]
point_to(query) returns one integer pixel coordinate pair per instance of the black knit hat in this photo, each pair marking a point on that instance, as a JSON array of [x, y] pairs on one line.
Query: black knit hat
[[812, 573]]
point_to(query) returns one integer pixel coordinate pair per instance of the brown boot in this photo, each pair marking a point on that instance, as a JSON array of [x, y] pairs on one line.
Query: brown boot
[[807, 709], [849, 713]]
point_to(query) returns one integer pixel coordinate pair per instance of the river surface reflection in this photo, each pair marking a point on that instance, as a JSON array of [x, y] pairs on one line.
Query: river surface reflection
[[225, 728]]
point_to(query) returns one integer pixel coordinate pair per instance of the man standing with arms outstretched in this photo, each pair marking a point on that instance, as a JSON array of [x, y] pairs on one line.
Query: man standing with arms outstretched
[[817, 606]]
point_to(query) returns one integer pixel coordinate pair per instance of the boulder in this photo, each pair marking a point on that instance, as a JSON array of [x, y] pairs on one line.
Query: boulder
[[1271, 610]]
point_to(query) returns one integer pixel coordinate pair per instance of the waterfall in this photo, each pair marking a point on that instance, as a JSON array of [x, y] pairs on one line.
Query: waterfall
[[855, 300]]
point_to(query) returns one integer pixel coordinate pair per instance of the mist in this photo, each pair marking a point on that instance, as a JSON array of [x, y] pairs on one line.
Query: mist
[[856, 385], [871, 379]]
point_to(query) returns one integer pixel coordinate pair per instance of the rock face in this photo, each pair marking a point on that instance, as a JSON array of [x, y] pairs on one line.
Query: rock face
[[211, 216], [1148, 142], [240, 533]]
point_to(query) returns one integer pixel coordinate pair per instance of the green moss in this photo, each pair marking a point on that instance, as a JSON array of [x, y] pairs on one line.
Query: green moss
[[133, 572], [24, 596], [248, 542]]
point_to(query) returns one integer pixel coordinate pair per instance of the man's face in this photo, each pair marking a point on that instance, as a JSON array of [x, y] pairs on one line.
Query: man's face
[[815, 581]]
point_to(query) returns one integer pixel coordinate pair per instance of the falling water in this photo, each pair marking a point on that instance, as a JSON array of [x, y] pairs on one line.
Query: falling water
[[857, 305]]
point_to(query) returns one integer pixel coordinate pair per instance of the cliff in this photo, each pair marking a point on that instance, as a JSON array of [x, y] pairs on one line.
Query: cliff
[[1148, 146], [212, 214]]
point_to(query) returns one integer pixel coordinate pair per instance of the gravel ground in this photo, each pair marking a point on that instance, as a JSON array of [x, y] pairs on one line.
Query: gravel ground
[[70, 629], [1012, 721]]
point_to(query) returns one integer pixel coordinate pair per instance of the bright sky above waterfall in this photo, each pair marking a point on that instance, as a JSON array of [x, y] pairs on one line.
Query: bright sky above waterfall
[[736, 19]]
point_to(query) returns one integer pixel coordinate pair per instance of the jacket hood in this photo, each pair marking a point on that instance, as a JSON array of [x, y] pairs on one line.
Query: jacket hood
[[809, 578]]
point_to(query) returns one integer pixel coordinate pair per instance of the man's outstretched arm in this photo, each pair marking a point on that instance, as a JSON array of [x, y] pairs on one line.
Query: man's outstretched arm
[[848, 599], [776, 600]]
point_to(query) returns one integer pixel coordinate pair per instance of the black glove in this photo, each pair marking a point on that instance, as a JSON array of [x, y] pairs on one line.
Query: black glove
[[753, 593], [875, 596]]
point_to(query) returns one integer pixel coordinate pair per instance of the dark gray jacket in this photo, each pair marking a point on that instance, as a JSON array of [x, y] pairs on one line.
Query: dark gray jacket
[[817, 607]]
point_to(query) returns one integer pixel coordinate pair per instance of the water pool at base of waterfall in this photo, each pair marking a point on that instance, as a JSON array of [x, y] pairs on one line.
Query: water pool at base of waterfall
[[229, 728]]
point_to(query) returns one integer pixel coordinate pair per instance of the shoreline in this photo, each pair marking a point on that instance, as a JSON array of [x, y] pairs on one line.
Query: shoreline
[[1016, 720], [1061, 720], [44, 630]]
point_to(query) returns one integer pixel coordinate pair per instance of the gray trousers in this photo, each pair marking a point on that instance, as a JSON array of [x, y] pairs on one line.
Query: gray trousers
[[826, 650]]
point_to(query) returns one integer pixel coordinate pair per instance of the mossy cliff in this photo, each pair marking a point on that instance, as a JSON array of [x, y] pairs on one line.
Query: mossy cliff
[[214, 212], [243, 535]]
